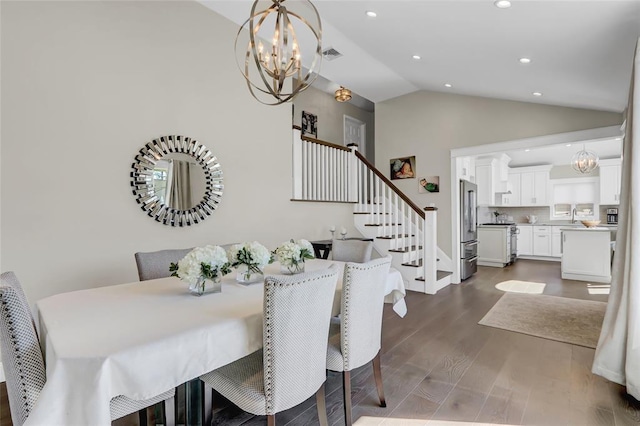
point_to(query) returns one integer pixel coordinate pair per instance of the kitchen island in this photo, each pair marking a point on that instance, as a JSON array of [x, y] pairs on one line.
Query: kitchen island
[[586, 254]]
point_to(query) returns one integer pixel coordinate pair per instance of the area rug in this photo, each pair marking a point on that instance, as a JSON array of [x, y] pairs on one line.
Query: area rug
[[514, 286], [555, 318]]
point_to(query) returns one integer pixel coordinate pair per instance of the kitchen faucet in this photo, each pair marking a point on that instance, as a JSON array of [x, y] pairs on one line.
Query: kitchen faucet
[[573, 215]]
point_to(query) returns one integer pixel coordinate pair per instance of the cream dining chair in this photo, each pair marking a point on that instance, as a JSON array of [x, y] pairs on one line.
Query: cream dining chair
[[354, 338], [24, 364], [352, 250], [155, 264], [291, 367]]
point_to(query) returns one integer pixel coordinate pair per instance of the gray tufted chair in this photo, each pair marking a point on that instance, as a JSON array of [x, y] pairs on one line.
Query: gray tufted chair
[[292, 364], [155, 264], [24, 364], [352, 250], [354, 338]]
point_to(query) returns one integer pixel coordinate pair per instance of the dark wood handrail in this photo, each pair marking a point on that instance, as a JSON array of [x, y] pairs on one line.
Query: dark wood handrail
[[321, 142], [390, 185]]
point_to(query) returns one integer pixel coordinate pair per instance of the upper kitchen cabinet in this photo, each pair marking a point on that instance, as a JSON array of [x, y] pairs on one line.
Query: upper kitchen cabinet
[[466, 168], [527, 186], [533, 185], [492, 175], [610, 176], [575, 198], [512, 197]]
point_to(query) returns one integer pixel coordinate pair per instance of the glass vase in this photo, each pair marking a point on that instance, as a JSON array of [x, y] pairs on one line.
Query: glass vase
[[294, 268], [206, 285], [247, 276]]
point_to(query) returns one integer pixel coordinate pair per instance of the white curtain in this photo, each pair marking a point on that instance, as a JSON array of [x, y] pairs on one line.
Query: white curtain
[[617, 356]]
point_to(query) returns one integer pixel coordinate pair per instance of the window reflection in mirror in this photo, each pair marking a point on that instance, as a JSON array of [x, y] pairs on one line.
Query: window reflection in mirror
[[178, 181]]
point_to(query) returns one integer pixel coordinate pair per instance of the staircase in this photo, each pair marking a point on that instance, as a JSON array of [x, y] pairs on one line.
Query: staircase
[[327, 172]]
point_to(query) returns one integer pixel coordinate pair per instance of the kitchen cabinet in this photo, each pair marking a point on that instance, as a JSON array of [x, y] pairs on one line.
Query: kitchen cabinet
[[466, 168], [491, 177], [541, 240], [525, 240], [533, 188], [610, 177], [494, 246], [513, 185], [586, 254], [556, 241]]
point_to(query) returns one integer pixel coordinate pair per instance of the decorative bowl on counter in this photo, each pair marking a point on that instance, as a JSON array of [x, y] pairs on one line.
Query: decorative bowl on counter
[[590, 223]]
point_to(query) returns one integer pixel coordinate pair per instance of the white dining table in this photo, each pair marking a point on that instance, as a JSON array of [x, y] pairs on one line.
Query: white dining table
[[144, 338]]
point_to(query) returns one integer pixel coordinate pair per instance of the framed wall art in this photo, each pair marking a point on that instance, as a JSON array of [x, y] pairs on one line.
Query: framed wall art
[[429, 184], [402, 168], [309, 124]]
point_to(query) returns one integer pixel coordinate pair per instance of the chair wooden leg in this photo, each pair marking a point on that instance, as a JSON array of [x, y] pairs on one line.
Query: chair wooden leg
[[322, 407], [142, 417], [271, 420], [208, 403], [346, 387], [377, 374]]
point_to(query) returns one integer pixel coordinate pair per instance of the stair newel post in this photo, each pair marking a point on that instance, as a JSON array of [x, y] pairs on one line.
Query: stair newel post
[[396, 219], [430, 248], [354, 185]]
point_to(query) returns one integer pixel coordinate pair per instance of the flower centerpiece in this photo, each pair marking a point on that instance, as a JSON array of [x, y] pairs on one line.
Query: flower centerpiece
[[249, 259], [202, 268], [292, 255]]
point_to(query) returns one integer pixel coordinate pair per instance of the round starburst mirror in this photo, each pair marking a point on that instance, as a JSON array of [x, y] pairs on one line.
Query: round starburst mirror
[[177, 180]]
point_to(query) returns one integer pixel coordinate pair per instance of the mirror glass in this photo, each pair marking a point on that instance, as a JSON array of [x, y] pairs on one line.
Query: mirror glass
[[177, 180]]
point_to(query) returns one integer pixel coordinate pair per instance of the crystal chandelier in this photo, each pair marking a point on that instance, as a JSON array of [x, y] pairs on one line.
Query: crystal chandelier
[[343, 95], [585, 161], [279, 49]]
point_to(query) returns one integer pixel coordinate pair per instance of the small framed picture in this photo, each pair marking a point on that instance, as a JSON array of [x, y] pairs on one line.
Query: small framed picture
[[429, 184], [402, 168], [309, 124]]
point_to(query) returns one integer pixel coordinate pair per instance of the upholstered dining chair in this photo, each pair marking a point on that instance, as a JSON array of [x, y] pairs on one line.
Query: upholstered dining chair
[[354, 338], [155, 264], [352, 250], [291, 367], [24, 364]]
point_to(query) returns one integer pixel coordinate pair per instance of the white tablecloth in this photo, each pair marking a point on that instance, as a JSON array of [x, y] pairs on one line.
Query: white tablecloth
[[144, 338]]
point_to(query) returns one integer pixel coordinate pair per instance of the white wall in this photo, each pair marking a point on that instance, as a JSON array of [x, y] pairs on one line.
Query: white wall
[[430, 124], [84, 86]]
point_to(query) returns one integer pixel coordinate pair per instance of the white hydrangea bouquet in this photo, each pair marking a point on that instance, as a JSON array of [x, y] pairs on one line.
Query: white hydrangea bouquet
[[292, 255], [249, 259], [202, 264]]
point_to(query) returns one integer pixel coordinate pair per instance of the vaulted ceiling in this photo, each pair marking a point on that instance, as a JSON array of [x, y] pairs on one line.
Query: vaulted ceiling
[[581, 51]]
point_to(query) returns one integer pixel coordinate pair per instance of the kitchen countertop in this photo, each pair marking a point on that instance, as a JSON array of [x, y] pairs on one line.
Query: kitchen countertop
[[566, 225], [596, 229]]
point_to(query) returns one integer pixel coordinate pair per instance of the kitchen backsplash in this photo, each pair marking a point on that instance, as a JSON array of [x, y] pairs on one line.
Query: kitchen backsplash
[[519, 214]]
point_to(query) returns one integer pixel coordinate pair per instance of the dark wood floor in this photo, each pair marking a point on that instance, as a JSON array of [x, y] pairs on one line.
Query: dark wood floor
[[440, 365]]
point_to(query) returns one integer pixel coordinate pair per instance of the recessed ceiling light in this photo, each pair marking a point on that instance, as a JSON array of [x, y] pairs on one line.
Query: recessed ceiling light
[[502, 4], [618, 139], [416, 57], [371, 14], [524, 60], [568, 144], [448, 85], [537, 94], [527, 150]]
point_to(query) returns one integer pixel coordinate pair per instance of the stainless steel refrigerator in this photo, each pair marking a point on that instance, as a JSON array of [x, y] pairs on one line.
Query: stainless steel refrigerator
[[468, 230]]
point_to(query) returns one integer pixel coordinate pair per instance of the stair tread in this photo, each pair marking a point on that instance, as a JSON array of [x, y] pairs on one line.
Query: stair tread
[[369, 213], [382, 224], [405, 249], [414, 263], [390, 237], [439, 275]]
